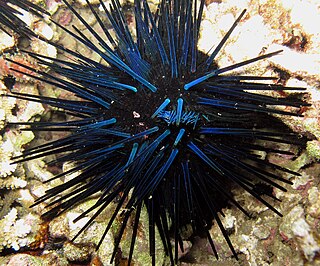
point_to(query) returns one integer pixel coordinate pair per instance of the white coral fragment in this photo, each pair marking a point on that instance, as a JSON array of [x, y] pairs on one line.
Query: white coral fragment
[[6, 168], [294, 61], [6, 41], [14, 231], [13, 183], [6, 150]]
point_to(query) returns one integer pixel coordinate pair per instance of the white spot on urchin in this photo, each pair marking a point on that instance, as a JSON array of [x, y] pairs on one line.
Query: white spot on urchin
[[135, 114]]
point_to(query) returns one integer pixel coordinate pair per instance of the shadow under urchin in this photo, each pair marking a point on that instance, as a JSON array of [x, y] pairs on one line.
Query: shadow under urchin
[[157, 123]]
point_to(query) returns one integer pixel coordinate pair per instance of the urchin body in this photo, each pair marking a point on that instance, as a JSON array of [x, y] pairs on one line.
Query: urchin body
[[159, 124]]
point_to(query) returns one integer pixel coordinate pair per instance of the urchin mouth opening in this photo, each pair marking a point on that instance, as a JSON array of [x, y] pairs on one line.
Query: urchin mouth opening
[[170, 106]]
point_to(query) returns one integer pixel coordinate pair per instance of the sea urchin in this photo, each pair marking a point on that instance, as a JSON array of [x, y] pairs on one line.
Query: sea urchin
[[157, 123]]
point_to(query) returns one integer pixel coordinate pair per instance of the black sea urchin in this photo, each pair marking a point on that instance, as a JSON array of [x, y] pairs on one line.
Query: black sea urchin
[[157, 123]]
